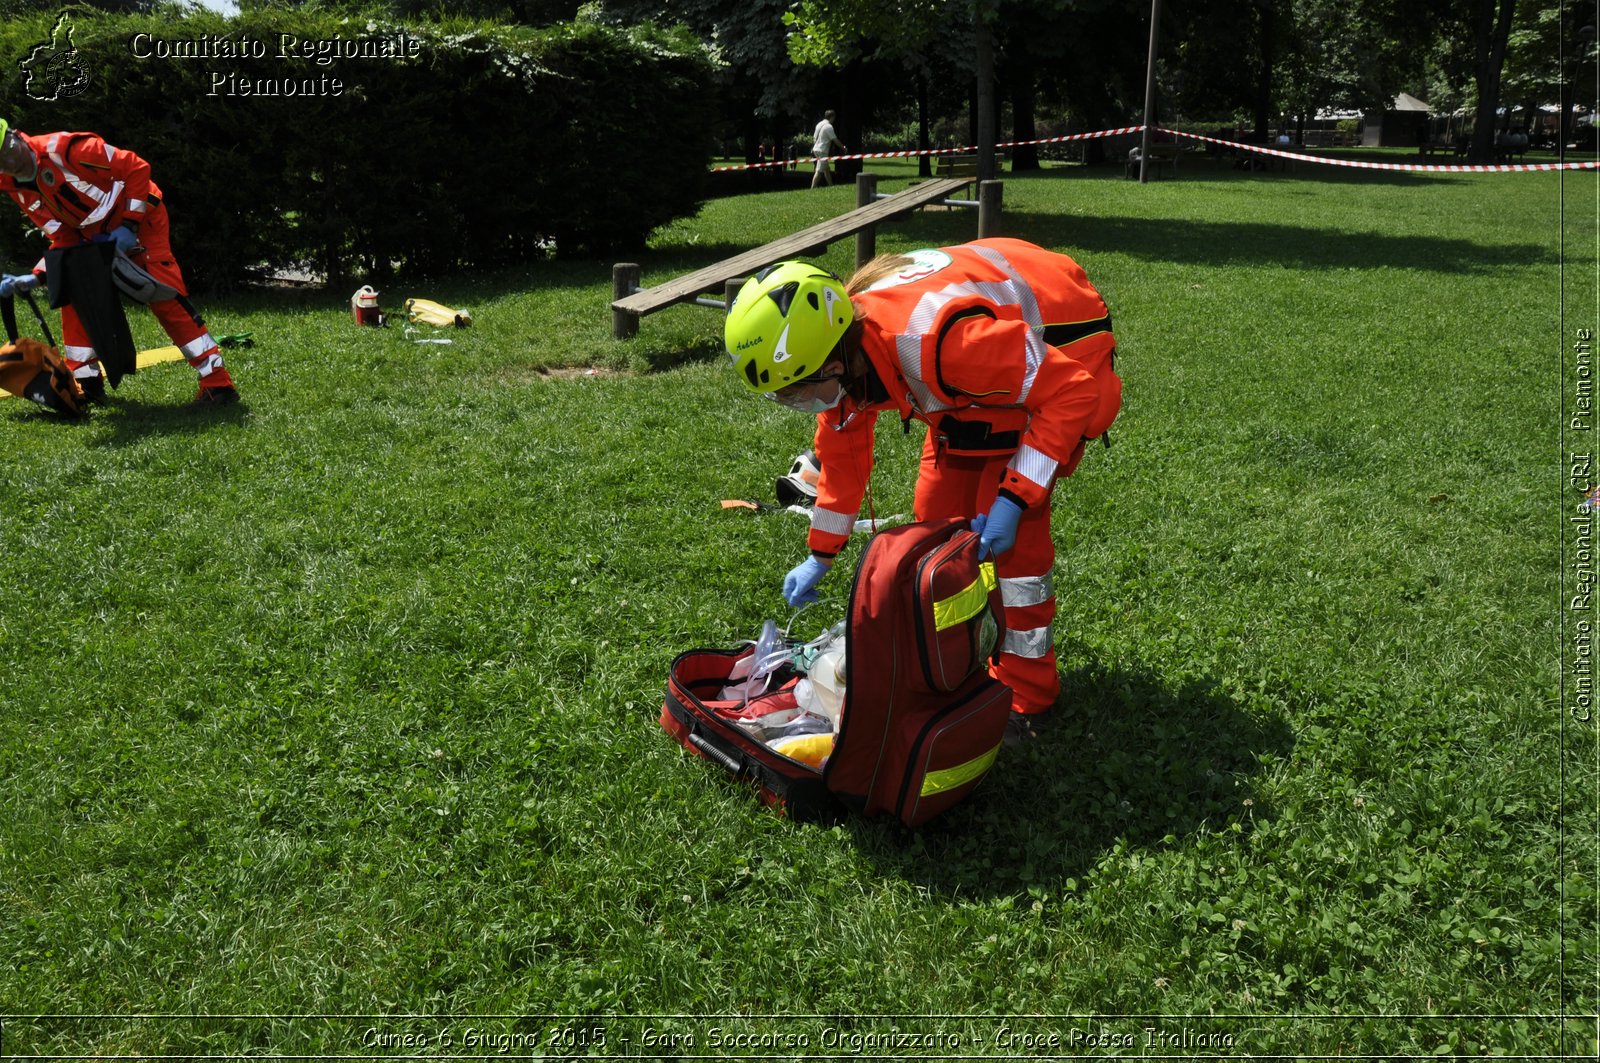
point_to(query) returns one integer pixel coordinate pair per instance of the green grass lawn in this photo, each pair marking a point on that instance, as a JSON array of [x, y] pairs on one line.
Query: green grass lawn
[[344, 703]]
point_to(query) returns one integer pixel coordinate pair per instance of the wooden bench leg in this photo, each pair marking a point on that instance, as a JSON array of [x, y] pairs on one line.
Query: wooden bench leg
[[866, 239], [624, 282]]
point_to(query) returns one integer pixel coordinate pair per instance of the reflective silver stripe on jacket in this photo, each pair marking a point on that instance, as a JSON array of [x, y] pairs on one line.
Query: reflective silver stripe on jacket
[[1032, 642], [1024, 293], [832, 521], [104, 201], [909, 348], [1017, 591], [1013, 291], [1021, 293], [1034, 465], [48, 228]]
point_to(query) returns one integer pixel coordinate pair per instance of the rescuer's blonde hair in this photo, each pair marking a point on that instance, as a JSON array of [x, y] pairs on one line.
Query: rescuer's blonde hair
[[875, 271]]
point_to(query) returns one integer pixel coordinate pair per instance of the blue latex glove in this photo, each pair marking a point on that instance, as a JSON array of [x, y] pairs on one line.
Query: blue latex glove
[[17, 283], [997, 529], [800, 585], [126, 239]]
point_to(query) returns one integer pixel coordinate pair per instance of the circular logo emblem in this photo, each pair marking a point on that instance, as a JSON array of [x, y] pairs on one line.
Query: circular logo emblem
[[47, 178], [66, 75], [924, 263]]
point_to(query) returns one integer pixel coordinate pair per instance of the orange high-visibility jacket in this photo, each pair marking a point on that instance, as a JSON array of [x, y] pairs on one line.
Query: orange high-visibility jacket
[[84, 187], [1001, 347]]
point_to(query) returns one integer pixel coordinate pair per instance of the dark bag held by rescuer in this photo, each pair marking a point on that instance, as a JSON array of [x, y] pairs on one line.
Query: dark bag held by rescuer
[[921, 719], [33, 370], [80, 276]]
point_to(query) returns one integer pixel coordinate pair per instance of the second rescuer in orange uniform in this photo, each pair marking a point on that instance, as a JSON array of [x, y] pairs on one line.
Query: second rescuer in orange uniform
[[1002, 348], [77, 188]]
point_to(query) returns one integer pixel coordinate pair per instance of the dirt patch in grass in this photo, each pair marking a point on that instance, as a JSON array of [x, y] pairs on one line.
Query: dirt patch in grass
[[525, 373]]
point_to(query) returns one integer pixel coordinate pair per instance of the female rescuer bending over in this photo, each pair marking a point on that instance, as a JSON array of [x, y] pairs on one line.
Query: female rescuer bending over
[[1002, 348]]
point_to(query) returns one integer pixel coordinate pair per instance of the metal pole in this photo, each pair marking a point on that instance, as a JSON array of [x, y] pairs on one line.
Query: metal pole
[[989, 193], [1149, 93]]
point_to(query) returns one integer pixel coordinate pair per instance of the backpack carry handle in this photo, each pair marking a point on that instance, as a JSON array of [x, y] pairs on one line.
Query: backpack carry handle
[[727, 760], [8, 315]]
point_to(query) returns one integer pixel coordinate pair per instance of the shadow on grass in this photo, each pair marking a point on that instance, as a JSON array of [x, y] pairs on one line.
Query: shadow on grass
[[23, 411], [1130, 760], [1203, 243], [132, 420], [467, 288]]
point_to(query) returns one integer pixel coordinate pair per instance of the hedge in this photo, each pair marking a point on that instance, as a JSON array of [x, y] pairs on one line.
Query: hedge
[[458, 146]]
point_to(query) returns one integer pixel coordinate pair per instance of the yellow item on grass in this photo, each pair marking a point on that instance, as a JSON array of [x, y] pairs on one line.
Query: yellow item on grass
[[807, 749], [428, 312], [157, 355]]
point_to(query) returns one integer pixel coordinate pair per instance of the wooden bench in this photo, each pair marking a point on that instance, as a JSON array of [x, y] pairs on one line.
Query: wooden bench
[[956, 166], [1160, 155], [630, 302]]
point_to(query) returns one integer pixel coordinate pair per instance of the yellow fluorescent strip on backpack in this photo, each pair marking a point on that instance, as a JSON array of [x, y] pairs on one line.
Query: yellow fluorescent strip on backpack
[[967, 602], [936, 782]]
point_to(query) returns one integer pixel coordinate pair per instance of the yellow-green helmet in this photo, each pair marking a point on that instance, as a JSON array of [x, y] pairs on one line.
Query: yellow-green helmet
[[784, 323]]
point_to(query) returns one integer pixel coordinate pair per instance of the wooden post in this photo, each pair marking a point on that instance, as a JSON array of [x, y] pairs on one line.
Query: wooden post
[[866, 239], [730, 290], [989, 208], [624, 279]]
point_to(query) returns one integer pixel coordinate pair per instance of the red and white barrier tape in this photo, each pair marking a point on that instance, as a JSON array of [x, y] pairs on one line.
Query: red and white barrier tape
[[931, 151], [1254, 148], [1415, 167]]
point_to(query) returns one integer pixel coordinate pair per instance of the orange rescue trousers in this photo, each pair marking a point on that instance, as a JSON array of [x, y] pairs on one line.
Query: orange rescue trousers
[[965, 486], [179, 320]]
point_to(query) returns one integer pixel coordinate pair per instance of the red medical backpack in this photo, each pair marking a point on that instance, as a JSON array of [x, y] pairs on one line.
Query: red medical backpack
[[922, 718]]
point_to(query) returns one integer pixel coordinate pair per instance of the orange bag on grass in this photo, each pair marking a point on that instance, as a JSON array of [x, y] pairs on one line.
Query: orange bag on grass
[[33, 370]]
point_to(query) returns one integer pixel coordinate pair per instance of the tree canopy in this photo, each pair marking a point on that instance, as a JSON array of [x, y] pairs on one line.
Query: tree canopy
[[978, 71]]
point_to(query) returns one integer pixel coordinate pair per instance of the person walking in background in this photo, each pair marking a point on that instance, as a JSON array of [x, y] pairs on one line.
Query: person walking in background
[[78, 189], [1003, 349], [823, 140]]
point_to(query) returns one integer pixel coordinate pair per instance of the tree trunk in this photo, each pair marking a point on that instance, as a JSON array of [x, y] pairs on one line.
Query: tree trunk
[[924, 135], [986, 98], [1023, 127], [1263, 91], [852, 114], [750, 133], [1490, 31]]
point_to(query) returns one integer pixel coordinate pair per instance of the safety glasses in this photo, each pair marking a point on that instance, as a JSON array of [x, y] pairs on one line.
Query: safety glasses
[[812, 395]]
